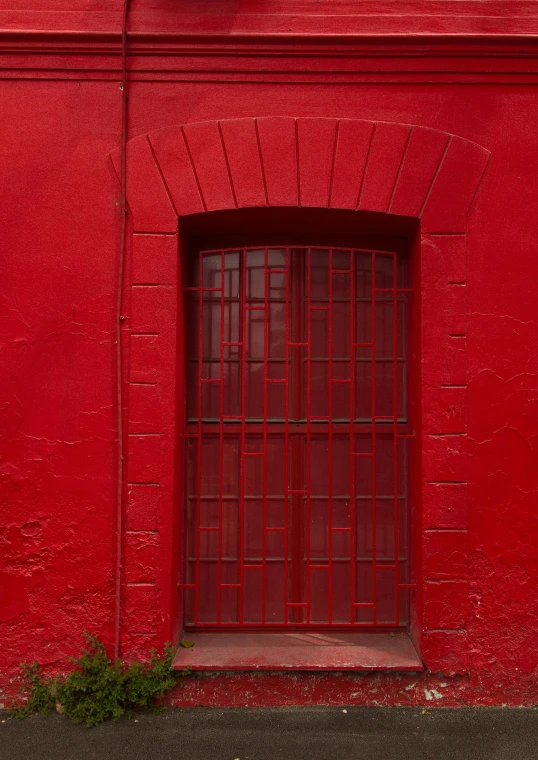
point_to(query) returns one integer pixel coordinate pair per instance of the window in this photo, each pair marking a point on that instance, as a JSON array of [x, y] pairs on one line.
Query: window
[[296, 438]]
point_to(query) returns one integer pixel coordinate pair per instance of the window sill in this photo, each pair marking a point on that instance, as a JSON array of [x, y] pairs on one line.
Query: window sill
[[298, 651]]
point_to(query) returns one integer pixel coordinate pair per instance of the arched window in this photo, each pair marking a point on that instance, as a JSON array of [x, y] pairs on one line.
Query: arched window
[[296, 437]]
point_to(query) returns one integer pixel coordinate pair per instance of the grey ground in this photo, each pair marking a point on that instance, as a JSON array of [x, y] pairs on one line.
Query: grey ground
[[325, 733]]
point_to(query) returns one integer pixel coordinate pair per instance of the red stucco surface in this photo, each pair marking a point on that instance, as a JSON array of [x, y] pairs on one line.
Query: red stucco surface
[[471, 225]]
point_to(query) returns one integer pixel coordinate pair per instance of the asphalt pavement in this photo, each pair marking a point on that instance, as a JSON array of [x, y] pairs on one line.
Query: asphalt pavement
[[323, 733]]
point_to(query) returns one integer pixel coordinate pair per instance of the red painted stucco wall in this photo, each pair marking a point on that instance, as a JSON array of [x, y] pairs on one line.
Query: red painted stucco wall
[[467, 71]]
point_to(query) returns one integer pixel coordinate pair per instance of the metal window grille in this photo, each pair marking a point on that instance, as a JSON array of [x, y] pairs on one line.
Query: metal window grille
[[296, 439]]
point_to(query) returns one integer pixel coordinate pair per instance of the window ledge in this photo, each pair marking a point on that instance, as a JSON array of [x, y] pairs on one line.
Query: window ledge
[[298, 651]]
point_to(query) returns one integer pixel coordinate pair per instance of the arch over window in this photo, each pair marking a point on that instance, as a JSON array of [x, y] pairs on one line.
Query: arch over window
[[318, 163], [280, 161]]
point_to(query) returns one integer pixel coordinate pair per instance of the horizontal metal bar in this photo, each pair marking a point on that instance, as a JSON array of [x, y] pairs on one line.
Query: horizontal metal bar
[[362, 560], [269, 497]]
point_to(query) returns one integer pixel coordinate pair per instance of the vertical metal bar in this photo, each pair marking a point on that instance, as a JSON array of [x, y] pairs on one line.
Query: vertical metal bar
[[297, 449], [243, 316], [264, 484], [221, 436], [352, 459], [199, 437], [286, 444], [374, 475], [395, 436], [307, 453], [330, 436]]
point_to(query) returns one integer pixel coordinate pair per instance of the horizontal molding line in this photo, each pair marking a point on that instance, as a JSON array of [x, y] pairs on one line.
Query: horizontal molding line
[[67, 75], [374, 43]]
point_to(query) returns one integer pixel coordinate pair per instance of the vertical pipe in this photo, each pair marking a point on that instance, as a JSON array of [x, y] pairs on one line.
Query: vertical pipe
[[119, 320]]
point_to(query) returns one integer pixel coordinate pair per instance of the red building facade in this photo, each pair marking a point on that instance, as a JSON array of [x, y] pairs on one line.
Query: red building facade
[[285, 404]]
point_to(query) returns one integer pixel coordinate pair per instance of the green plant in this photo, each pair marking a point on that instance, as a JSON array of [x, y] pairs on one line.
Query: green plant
[[98, 688]]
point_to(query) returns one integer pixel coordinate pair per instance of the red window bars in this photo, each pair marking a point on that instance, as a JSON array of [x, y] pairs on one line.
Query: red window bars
[[296, 504]]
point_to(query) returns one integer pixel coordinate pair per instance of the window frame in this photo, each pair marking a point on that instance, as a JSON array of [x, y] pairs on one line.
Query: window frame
[[377, 243]]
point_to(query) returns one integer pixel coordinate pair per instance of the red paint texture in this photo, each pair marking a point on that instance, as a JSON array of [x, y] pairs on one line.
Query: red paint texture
[[262, 124]]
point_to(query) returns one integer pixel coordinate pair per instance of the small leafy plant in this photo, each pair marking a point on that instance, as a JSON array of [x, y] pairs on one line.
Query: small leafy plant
[[98, 689]]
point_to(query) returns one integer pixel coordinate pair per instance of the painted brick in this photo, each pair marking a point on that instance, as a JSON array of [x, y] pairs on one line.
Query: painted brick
[[446, 604], [445, 505], [445, 555], [352, 147], [209, 161], [142, 610], [316, 143], [241, 144], [142, 509], [144, 358], [173, 158], [145, 459], [146, 193], [454, 254], [444, 458], [455, 187], [154, 259], [444, 357], [424, 152], [145, 409], [457, 309], [384, 162], [279, 154], [152, 309], [142, 560], [445, 409], [445, 652], [137, 646]]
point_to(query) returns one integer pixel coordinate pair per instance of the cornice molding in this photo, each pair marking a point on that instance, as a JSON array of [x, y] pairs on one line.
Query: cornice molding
[[377, 46]]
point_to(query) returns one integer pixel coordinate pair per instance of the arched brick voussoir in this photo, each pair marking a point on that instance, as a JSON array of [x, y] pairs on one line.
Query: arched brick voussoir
[[173, 157], [455, 187], [385, 167], [147, 196]]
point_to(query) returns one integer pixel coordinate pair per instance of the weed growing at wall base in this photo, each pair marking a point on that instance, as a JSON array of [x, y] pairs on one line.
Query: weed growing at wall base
[[97, 688]]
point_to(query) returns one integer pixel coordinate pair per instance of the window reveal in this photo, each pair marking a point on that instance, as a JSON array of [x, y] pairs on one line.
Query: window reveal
[[296, 436]]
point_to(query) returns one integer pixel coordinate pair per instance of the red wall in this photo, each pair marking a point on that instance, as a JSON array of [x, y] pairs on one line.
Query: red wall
[[60, 241]]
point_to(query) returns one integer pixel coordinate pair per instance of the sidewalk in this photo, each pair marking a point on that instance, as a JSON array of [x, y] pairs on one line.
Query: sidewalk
[[325, 733]]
